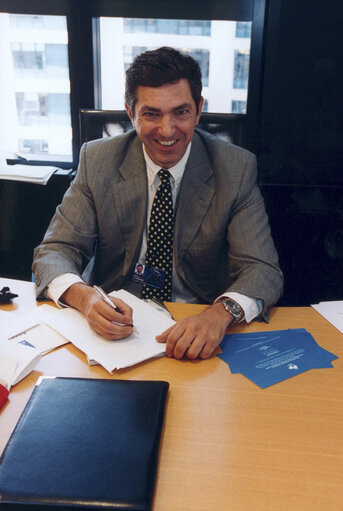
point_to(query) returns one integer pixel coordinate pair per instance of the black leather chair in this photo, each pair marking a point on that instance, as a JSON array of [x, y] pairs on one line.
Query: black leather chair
[[104, 123]]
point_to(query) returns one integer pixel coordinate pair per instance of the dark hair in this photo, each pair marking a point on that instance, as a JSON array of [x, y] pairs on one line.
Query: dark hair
[[158, 67]]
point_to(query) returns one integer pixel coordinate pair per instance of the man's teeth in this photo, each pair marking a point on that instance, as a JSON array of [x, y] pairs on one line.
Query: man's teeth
[[167, 142]]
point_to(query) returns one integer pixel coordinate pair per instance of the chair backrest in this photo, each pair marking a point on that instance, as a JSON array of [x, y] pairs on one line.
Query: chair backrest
[[105, 123]]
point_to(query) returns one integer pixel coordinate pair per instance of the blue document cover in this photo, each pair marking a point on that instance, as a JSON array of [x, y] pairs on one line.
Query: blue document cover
[[270, 357]]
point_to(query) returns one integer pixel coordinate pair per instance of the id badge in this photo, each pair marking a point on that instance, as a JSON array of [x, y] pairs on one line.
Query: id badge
[[149, 275]]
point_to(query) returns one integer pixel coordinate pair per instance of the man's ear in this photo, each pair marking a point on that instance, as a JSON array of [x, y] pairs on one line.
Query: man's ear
[[201, 104], [129, 112]]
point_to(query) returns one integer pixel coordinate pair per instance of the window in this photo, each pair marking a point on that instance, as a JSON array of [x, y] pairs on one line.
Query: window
[[243, 29], [241, 70], [35, 88], [239, 107], [214, 44], [49, 72], [182, 27], [27, 55]]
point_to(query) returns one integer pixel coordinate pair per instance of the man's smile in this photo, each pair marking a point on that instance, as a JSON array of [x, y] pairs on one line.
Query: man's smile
[[166, 142]]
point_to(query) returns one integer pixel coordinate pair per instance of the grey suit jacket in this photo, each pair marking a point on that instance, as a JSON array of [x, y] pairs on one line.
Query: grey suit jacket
[[222, 239]]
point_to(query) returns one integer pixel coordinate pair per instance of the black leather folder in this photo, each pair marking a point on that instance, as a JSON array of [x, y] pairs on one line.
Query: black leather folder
[[85, 443]]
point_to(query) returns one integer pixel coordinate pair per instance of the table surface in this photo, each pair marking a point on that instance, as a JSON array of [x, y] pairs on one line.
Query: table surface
[[226, 443]]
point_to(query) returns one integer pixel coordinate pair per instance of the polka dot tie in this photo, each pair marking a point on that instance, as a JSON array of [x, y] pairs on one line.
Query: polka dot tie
[[159, 252]]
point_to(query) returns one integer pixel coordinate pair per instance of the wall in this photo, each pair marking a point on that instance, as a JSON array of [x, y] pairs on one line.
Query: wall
[[25, 212], [301, 146]]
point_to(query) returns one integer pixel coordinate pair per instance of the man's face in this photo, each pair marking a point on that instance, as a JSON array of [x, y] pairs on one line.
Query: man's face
[[165, 118]]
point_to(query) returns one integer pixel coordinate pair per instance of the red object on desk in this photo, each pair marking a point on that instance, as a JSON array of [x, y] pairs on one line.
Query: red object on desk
[[3, 395]]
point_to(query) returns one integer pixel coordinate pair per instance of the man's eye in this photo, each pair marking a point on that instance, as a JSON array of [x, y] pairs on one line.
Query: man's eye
[[151, 115], [180, 113]]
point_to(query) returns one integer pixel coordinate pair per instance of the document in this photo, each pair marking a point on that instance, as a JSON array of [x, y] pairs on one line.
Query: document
[[24, 338], [112, 355], [8, 366], [15, 324], [21, 358], [267, 358], [332, 311], [30, 329], [39, 174], [41, 337]]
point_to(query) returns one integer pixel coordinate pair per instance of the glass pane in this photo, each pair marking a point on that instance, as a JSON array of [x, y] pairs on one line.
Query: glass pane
[[34, 87], [222, 49]]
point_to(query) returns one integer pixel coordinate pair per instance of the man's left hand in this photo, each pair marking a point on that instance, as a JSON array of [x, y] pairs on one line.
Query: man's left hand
[[197, 336]]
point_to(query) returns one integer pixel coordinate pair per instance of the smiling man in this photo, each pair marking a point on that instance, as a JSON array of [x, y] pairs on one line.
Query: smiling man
[[169, 198], [165, 119]]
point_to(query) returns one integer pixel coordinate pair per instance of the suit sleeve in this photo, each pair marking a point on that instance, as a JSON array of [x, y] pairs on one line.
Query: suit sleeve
[[69, 242], [253, 260]]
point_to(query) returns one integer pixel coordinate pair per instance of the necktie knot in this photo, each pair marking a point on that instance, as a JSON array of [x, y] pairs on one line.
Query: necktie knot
[[164, 176]]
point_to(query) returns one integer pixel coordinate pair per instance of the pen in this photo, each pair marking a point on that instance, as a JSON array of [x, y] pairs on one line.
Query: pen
[[109, 302]]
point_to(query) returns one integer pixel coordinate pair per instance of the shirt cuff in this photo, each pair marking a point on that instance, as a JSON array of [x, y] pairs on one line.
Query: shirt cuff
[[59, 285], [252, 307]]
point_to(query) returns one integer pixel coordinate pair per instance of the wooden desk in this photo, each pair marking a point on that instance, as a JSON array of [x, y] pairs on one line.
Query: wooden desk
[[227, 444]]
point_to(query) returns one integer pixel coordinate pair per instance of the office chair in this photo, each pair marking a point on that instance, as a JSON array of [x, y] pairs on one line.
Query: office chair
[[105, 123]]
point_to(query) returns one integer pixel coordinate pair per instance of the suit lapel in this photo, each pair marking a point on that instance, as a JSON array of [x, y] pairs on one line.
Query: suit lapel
[[195, 196], [130, 197]]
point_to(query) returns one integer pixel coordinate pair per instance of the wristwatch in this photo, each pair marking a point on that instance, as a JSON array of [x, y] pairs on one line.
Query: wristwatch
[[234, 309]]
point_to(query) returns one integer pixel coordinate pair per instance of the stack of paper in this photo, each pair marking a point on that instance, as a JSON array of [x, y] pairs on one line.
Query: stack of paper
[[39, 174], [23, 340], [112, 355], [270, 357], [29, 329], [16, 361]]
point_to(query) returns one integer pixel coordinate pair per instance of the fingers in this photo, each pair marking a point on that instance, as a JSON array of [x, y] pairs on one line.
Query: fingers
[[125, 312], [198, 336], [185, 339], [108, 322], [108, 330], [164, 335], [102, 318]]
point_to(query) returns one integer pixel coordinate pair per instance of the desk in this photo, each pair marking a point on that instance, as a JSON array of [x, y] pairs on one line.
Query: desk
[[226, 443]]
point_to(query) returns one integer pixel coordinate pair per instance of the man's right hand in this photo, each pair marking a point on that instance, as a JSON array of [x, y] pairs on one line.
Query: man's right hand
[[102, 318]]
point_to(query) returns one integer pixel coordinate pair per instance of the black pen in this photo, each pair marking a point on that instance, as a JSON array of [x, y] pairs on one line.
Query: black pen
[[109, 302]]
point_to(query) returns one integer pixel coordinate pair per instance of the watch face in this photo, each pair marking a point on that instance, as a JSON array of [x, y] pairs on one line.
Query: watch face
[[233, 308]]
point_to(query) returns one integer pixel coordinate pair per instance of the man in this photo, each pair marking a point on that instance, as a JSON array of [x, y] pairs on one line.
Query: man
[[221, 246]]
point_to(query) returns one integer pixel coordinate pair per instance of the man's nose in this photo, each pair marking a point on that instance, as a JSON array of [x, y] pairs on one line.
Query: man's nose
[[166, 127]]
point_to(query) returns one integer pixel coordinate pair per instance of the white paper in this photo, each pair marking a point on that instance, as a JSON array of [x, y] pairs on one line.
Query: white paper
[[26, 356], [39, 174], [115, 354], [42, 337], [332, 311], [29, 328], [8, 366], [16, 324]]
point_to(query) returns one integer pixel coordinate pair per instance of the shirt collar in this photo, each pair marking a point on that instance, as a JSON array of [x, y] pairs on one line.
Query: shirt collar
[[176, 171]]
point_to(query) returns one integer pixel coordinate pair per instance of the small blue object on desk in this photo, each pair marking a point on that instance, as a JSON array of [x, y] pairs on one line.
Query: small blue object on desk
[[267, 358]]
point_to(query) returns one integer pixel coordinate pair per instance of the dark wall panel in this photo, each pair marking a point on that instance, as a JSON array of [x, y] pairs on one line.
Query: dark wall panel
[[301, 146], [25, 211]]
